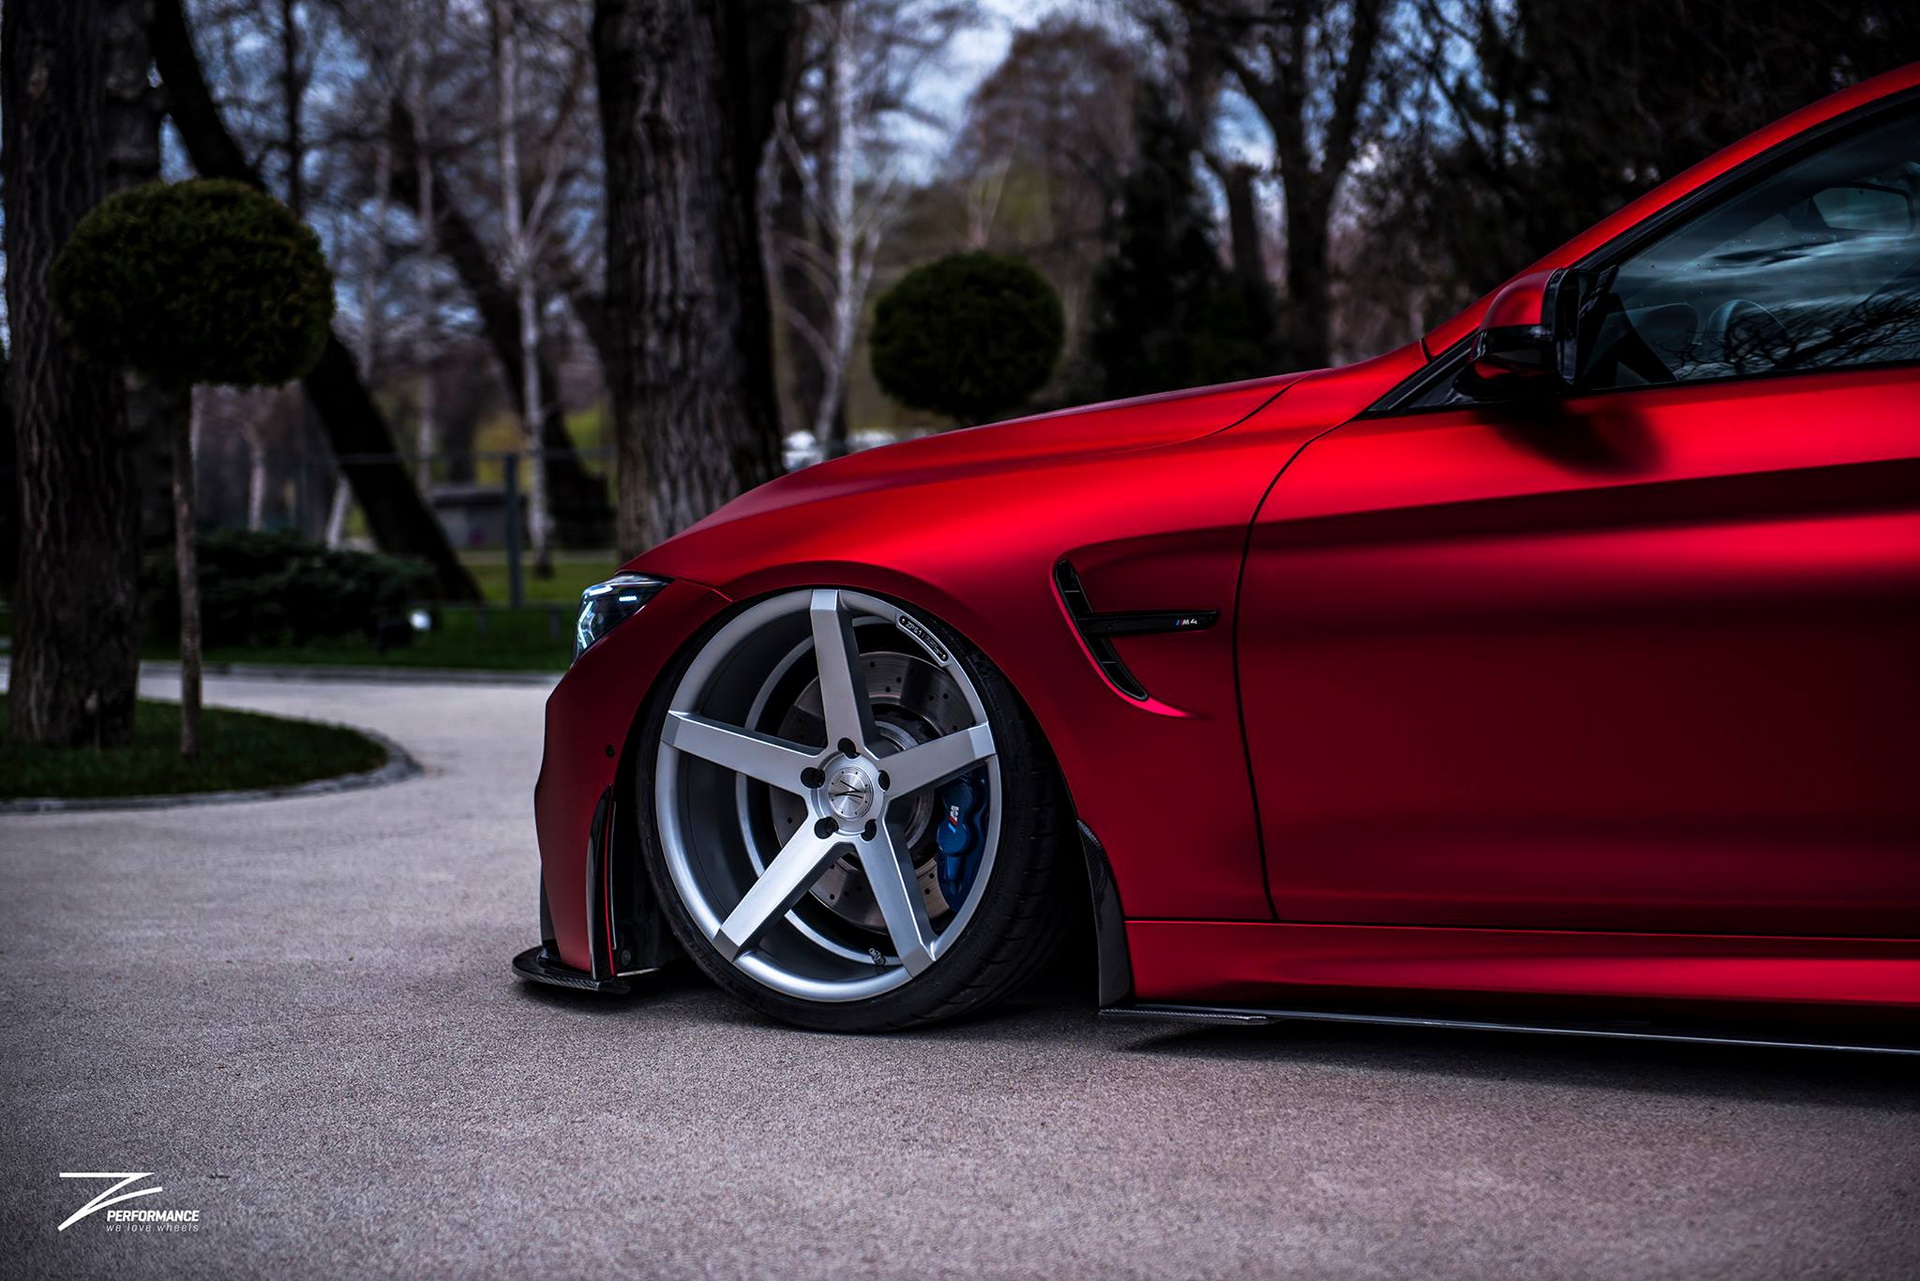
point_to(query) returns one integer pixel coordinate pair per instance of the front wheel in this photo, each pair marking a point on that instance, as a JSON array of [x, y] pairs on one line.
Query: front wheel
[[851, 821]]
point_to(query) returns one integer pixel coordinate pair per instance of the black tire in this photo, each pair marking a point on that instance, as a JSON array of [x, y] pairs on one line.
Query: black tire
[[1021, 916]]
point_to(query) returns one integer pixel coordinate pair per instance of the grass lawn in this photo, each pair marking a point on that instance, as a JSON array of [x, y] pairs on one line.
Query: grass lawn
[[499, 640], [239, 750], [535, 638], [573, 573]]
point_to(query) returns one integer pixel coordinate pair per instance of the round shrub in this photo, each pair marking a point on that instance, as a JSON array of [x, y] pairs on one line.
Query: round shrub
[[969, 336], [205, 281]]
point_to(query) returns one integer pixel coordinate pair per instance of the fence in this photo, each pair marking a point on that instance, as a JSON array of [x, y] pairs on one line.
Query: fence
[[480, 498]]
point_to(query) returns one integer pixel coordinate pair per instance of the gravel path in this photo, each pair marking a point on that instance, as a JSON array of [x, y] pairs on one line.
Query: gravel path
[[299, 1016]]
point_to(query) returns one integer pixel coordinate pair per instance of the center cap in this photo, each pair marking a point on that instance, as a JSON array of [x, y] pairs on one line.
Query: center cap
[[849, 793]]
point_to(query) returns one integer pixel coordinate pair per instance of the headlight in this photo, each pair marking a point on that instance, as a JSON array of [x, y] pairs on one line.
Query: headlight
[[604, 606]]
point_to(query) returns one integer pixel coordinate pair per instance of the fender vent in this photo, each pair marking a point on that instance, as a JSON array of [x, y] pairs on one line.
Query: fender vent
[[1098, 630]]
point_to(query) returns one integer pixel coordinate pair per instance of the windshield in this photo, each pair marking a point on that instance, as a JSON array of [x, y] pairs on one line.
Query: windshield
[[1816, 267]]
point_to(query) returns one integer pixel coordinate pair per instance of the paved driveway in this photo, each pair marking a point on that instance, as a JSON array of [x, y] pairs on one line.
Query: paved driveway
[[298, 1015]]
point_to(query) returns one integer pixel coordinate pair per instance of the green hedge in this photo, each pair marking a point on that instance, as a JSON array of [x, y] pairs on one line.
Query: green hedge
[[275, 587]]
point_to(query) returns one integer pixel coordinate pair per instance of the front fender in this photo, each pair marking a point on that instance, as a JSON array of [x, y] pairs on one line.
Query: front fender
[[590, 715]]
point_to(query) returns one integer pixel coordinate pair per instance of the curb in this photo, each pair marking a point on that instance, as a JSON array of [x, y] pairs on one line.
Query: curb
[[400, 767], [360, 675]]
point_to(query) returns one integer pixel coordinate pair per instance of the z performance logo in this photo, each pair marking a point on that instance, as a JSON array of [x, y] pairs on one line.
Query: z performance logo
[[141, 1220]]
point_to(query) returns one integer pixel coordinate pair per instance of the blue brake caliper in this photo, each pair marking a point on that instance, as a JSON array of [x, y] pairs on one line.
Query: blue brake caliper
[[963, 806]]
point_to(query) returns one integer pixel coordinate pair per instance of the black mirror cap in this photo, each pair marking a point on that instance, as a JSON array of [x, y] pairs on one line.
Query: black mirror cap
[[1528, 345]]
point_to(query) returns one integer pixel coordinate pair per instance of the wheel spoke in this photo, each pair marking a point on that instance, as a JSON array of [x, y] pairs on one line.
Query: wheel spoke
[[791, 874], [760, 756], [843, 688], [896, 888], [924, 764]]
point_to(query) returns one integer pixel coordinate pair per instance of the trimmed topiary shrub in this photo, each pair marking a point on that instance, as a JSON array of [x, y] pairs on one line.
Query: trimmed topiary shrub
[[188, 283], [197, 282], [970, 336]]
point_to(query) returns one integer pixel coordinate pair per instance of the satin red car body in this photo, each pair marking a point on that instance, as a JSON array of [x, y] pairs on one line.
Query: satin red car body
[[1617, 705]]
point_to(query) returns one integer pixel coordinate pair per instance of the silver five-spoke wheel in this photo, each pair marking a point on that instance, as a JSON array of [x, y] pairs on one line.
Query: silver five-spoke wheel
[[827, 795]]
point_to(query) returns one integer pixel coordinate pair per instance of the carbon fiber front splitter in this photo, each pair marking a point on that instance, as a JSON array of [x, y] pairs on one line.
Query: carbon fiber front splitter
[[541, 966]]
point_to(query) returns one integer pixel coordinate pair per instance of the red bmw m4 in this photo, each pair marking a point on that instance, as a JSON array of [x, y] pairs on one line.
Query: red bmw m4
[[1558, 670]]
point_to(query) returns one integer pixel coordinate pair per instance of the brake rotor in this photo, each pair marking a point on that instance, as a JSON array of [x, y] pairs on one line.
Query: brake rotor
[[914, 701]]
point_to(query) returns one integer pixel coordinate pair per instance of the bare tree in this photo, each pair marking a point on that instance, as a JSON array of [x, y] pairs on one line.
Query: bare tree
[[835, 141], [841, 260], [425, 16], [521, 262], [371, 272], [435, 83], [361, 439], [1316, 73]]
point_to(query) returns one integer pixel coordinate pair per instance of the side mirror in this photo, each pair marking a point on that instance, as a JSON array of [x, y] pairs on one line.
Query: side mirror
[[1527, 345]]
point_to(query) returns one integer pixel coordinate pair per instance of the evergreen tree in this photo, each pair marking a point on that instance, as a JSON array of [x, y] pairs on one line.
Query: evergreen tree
[[1167, 312]]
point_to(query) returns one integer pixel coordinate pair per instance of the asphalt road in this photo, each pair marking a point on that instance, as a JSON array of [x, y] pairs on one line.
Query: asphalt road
[[299, 1016]]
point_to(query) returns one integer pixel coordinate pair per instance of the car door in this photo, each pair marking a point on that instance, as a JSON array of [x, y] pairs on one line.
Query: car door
[[1644, 658]]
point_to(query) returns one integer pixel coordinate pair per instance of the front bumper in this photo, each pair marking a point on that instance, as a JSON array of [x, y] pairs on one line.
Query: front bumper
[[594, 892]]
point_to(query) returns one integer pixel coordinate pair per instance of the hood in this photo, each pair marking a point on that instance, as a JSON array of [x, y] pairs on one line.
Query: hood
[[1111, 427]]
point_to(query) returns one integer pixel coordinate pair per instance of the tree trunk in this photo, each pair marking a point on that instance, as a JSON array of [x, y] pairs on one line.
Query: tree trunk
[[9, 488], [1243, 223], [337, 509], [256, 475], [685, 112], [132, 139], [186, 555], [426, 434], [589, 308], [842, 157], [361, 439], [803, 305], [1312, 168], [131, 120], [1309, 309], [520, 265], [458, 425], [372, 267], [75, 648], [396, 515], [539, 502], [293, 96]]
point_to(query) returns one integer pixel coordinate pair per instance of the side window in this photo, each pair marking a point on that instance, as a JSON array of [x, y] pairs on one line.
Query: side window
[[1815, 267]]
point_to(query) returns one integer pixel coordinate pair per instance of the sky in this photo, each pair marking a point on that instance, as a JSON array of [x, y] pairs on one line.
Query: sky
[[975, 52], [970, 58]]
